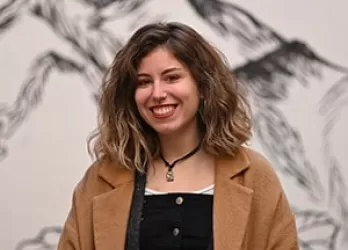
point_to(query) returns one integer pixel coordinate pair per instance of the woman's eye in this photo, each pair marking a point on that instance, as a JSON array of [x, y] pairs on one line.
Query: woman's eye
[[143, 82], [172, 78]]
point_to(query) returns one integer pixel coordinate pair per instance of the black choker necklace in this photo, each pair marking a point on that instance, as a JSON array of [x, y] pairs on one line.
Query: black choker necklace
[[170, 173]]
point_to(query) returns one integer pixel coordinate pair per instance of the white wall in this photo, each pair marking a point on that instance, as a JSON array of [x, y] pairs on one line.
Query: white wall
[[44, 122]]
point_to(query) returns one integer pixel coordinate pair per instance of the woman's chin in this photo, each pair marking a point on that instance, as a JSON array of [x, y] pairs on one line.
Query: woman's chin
[[166, 130]]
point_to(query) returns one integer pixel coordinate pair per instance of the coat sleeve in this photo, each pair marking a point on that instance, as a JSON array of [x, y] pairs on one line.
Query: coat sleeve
[[283, 234], [69, 239]]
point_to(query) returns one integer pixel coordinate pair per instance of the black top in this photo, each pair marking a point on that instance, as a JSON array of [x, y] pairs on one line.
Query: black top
[[176, 221]]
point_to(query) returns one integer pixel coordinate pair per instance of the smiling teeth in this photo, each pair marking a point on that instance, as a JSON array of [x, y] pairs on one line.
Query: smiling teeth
[[163, 110]]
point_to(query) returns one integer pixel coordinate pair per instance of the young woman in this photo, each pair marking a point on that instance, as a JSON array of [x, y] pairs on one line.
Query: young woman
[[171, 171]]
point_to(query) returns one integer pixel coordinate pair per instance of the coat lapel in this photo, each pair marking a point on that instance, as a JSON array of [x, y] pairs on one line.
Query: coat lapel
[[232, 203], [111, 209]]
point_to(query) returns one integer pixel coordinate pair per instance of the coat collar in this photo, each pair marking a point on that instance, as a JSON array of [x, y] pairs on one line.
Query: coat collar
[[114, 174], [111, 209]]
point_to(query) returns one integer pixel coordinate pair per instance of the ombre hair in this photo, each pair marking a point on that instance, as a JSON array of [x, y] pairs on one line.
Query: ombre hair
[[224, 114]]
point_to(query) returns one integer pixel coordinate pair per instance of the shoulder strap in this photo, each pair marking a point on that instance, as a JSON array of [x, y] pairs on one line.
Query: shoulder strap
[[133, 229]]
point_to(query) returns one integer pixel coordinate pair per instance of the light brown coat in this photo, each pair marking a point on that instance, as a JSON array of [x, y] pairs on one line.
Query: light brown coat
[[251, 211]]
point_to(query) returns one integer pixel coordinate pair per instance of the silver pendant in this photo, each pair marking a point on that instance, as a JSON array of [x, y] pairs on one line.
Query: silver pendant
[[170, 175]]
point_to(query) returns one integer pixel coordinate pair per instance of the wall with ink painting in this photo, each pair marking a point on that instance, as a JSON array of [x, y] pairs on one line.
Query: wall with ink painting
[[291, 54]]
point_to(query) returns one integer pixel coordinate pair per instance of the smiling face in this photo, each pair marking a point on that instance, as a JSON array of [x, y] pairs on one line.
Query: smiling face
[[166, 96]]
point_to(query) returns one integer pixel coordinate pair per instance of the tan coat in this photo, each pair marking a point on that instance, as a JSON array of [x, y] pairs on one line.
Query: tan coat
[[250, 208]]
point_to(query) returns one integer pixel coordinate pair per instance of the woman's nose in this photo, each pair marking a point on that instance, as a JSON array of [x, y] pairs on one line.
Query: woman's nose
[[158, 92]]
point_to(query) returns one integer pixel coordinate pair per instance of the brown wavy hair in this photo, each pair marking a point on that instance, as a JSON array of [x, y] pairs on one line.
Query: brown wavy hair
[[224, 114]]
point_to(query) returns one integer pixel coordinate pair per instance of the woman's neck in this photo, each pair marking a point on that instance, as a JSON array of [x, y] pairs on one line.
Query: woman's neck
[[177, 145], [193, 173]]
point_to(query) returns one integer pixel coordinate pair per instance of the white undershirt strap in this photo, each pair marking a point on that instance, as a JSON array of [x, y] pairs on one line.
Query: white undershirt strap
[[209, 190]]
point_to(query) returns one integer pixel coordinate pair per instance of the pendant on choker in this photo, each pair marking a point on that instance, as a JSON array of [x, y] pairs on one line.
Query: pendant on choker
[[170, 175], [170, 172]]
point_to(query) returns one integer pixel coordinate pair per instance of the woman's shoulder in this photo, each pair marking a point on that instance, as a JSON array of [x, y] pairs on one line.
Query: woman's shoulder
[[260, 172], [100, 177], [262, 180]]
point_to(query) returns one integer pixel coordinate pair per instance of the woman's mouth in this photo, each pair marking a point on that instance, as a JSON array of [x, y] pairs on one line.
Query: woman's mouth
[[163, 111]]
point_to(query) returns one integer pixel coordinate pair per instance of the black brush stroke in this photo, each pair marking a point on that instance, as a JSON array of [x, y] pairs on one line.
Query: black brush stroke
[[11, 117], [293, 59], [31, 94], [124, 6], [87, 44], [284, 146], [112, 9], [331, 105], [6, 23], [215, 13], [309, 220], [9, 13], [42, 241]]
